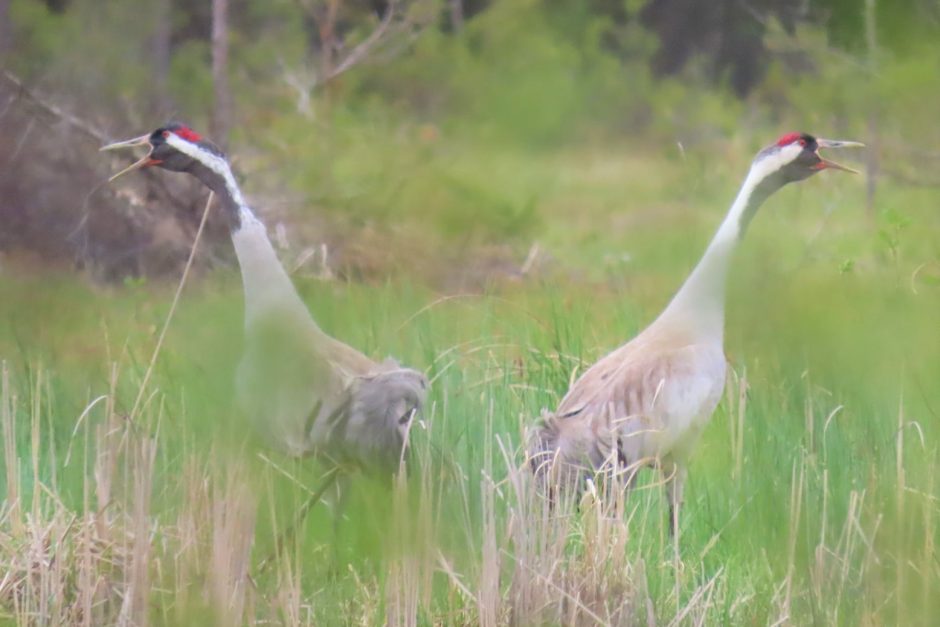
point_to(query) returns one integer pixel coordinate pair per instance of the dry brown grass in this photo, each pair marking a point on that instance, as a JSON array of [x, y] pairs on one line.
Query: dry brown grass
[[131, 555], [117, 560]]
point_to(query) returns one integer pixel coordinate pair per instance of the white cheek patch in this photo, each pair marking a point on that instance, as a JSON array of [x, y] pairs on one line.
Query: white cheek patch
[[777, 160], [221, 167]]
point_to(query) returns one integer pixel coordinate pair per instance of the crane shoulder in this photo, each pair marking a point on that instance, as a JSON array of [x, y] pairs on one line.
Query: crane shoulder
[[634, 405], [648, 377], [346, 359]]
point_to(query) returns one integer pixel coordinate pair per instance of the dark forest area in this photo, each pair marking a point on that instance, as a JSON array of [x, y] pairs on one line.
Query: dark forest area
[[289, 350], [295, 87]]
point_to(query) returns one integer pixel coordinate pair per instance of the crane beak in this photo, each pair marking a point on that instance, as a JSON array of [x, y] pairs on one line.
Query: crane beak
[[143, 140], [826, 164]]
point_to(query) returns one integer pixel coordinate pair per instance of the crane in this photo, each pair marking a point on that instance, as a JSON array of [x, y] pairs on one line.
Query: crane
[[647, 402], [311, 394]]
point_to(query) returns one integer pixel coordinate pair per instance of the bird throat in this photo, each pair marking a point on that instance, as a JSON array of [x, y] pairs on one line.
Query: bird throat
[[700, 302], [760, 192], [226, 190], [267, 285], [212, 169]]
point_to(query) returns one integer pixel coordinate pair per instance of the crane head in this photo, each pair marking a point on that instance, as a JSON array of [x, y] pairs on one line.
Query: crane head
[[174, 147], [795, 156]]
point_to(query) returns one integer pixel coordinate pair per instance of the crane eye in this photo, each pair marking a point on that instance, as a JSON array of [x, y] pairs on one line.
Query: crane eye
[[802, 142], [166, 134]]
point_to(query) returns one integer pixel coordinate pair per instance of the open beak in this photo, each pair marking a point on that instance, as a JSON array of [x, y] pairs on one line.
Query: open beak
[[143, 140], [826, 164]]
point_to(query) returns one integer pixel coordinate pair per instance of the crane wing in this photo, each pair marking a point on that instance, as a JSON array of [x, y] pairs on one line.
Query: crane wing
[[313, 394], [635, 404], [291, 373], [371, 430]]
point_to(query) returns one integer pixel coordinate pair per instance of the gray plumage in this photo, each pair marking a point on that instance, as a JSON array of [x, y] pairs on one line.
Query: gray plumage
[[307, 392], [647, 402]]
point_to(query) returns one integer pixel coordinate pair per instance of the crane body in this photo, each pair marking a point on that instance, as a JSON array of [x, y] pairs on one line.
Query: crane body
[[309, 393], [647, 402]]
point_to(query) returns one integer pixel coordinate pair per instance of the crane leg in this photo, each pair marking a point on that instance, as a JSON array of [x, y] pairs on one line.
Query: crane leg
[[339, 510], [674, 475], [328, 479]]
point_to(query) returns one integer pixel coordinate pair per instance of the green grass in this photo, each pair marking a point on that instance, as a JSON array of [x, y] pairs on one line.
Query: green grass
[[812, 498]]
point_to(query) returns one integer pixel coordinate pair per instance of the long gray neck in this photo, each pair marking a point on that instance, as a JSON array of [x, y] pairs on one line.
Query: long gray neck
[[700, 302], [266, 284], [226, 190]]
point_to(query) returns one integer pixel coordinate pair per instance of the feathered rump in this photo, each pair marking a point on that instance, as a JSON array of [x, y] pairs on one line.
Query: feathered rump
[[542, 444], [317, 396], [565, 450], [382, 410], [557, 456]]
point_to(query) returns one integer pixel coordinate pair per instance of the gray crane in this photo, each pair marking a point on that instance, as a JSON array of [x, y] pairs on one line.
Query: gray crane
[[647, 402], [311, 394]]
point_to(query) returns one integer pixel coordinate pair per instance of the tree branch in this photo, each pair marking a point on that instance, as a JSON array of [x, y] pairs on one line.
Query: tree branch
[[82, 126], [360, 52], [388, 30]]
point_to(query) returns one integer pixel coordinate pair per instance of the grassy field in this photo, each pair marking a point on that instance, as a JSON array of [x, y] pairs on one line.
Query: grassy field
[[813, 498]]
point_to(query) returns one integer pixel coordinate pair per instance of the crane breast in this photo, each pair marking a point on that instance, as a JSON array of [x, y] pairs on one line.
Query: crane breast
[[286, 377], [685, 404], [646, 404]]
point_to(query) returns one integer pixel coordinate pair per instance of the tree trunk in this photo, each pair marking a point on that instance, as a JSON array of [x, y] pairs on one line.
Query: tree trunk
[[220, 122], [6, 33], [872, 165], [456, 15], [328, 38], [162, 102]]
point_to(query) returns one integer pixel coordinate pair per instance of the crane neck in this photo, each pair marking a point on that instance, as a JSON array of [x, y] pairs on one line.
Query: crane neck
[[699, 304], [218, 177], [266, 283]]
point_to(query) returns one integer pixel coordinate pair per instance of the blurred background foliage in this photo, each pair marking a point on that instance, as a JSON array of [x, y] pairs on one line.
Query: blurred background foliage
[[505, 189], [375, 128]]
